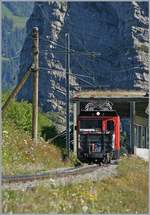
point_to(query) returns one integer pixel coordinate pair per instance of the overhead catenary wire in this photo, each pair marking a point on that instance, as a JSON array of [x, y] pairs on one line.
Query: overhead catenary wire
[[85, 70], [58, 135], [62, 70], [72, 51], [127, 69]]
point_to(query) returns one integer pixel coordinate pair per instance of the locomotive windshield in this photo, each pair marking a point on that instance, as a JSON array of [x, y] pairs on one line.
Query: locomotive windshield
[[90, 124], [91, 143]]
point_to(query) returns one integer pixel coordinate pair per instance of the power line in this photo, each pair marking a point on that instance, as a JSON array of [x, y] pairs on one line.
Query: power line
[[85, 69], [73, 51], [12, 57], [51, 41], [87, 82], [77, 75]]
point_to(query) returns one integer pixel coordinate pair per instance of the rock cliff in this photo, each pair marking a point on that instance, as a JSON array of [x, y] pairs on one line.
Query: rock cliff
[[110, 40], [14, 16]]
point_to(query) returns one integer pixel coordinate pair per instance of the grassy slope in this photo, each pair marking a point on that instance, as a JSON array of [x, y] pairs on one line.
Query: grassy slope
[[126, 193], [18, 21], [20, 153]]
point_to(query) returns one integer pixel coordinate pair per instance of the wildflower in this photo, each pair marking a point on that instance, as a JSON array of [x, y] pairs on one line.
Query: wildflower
[[73, 194], [92, 197], [84, 208], [5, 132], [82, 201], [52, 182], [25, 142]]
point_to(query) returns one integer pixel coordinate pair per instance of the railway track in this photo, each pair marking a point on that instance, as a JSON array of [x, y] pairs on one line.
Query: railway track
[[50, 174]]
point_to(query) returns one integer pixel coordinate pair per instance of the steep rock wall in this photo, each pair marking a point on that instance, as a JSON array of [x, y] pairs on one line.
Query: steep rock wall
[[115, 32], [14, 16]]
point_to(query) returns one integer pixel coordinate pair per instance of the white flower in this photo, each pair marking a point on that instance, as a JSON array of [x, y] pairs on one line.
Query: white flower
[[82, 201], [25, 142], [73, 194], [51, 180], [5, 132], [84, 208]]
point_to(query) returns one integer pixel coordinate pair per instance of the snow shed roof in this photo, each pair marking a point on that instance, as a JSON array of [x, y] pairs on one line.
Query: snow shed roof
[[120, 95]]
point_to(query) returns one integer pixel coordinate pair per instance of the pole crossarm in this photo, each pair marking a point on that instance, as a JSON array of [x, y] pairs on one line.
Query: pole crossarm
[[17, 88]]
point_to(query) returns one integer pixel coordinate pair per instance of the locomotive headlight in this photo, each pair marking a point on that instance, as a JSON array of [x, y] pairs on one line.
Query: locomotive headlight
[[97, 113]]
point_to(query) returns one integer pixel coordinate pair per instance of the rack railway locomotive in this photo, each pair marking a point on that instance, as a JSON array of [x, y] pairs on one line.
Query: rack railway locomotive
[[98, 134]]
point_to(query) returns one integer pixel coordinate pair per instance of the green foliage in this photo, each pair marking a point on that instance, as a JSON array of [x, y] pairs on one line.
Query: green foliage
[[19, 8], [74, 160], [14, 17], [21, 155], [18, 21], [43, 122], [142, 47], [20, 113], [48, 131], [5, 96], [56, 118]]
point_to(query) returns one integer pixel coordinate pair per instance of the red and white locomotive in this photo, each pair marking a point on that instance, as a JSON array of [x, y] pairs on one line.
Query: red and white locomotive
[[98, 134]]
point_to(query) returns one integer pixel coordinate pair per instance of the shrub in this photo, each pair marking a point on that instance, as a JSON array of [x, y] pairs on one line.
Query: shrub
[[20, 113]]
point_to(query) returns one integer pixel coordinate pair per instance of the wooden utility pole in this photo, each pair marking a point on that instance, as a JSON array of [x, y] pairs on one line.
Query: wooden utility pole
[[35, 49], [67, 46], [17, 89]]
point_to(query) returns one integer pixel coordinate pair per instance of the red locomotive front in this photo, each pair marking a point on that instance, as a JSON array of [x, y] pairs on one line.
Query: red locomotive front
[[98, 136]]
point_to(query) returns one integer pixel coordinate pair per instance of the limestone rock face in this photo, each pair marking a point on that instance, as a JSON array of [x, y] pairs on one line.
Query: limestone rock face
[[109, 46]]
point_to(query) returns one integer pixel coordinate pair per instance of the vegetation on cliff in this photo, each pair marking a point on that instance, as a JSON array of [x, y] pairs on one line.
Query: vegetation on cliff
[[14, 17]]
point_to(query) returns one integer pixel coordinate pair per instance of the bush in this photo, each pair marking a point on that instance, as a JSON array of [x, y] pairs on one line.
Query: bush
[[20, 113], [48, 132], [74, 160]]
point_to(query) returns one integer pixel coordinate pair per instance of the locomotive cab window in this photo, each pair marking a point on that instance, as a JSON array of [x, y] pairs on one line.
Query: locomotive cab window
[[90, 124], [110, 125]]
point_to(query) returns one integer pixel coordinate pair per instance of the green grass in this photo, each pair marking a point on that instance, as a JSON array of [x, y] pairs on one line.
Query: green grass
[[142, 47], [20, 153], [20, 113], [125, 193], [18, 21], [5, 59]]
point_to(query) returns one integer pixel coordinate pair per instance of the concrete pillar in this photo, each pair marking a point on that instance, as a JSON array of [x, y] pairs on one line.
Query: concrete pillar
[[74, 128], [132, 127], [76, 112]]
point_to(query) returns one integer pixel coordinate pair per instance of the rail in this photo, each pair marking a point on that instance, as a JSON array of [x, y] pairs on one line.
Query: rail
[[51, 174]]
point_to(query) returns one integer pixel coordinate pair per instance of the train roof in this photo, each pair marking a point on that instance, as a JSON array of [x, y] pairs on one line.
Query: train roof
[[116, 94]]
